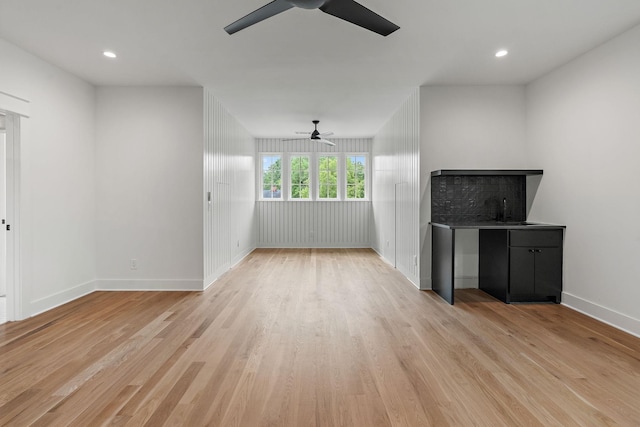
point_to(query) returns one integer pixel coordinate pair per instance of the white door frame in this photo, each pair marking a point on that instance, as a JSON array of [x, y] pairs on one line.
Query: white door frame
[[3, 187], [14, 108], [14, 290]]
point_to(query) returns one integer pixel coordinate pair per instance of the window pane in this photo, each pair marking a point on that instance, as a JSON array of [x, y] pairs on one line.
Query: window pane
[[328, 177], [271, 176], [299, 177], [356, 177]]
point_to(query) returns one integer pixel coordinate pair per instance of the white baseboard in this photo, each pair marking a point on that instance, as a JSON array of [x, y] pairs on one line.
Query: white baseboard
[[314, 245], [410, 277], [242, 255], [52, 301], [208, 281], [381, 255], [47, 303], [413, 279], [148, 285], [603, 314]]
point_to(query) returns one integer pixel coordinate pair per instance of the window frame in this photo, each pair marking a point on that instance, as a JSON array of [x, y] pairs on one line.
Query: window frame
[[290, 157], [367, 177], [261, 176], [339, 175], [314, 175]]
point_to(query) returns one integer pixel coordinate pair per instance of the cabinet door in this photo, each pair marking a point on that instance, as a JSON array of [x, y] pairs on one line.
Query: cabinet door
[[521, 273], [548, 272]]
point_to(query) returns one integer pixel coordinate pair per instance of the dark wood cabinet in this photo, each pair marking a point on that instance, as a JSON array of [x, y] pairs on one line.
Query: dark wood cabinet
[[521, 265], [520, 261]]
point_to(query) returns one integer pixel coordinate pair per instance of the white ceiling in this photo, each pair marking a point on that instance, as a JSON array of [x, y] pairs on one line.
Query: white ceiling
[[278, 75]]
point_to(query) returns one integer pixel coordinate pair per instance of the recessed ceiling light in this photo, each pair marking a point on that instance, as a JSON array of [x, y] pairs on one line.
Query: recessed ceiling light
[[109, 54], [501, 53]]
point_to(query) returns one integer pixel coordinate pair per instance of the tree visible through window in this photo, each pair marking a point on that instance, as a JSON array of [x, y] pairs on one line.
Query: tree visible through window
[[328, 177], [356, 177], [271, 176], [300, 177]]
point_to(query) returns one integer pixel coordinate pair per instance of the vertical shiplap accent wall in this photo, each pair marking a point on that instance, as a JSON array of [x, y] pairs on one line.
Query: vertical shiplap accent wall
[[313, 224], [229, 188], [396, 195]]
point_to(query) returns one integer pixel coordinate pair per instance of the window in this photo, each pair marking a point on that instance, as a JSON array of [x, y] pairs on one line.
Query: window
[[300, 177], [328, 177], [356, 172], [306, 176], [271, 176]]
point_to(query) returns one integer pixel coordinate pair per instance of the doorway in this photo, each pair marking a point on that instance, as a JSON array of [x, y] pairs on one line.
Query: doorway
[[11, 302], [3, 220]]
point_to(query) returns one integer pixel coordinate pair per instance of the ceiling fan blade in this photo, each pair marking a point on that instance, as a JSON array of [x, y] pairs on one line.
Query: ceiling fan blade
[[325, 134], [303, 133], [295, 139], [326, 141], [266, 11], [354, 12]]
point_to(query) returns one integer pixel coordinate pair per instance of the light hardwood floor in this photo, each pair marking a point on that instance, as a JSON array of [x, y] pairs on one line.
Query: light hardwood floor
[[315, 338]]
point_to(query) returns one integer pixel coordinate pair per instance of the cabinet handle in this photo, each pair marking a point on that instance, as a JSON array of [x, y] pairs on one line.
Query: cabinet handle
[[532, 250], [539, 250]]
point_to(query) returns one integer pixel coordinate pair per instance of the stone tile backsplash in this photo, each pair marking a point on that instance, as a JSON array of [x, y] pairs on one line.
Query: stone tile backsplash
[[461, 198]]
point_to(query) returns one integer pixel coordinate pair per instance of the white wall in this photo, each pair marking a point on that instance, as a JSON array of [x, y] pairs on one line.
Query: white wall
[[584, 130], [57, 177], [116, 174], [313, 224], [229, 175], [466, 127], [396, 183], [149, 186]]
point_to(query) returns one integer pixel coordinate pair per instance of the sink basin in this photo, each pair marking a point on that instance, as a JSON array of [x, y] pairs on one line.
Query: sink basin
[[495, 223]]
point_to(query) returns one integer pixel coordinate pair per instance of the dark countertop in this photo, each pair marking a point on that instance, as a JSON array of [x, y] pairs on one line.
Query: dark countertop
[[496, 225], [486, 172]]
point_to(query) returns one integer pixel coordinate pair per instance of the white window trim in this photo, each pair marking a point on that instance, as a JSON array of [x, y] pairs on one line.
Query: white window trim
[[367, 176], [338, 157], [261, 176], [314, 183], [311, 197]]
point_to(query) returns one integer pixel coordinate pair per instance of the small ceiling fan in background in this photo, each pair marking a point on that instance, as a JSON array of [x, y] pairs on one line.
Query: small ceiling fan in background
[[315, 135], [348, 10]]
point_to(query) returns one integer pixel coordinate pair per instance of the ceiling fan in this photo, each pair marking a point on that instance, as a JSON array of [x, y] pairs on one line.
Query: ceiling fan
[[348, 10], [315, 135]]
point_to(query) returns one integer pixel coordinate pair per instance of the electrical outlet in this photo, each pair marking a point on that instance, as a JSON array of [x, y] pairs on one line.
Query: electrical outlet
[[415, 260], [133, 264], [238, 244]]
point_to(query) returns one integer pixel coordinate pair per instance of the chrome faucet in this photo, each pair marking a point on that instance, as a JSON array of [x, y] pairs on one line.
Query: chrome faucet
[[504, 209]]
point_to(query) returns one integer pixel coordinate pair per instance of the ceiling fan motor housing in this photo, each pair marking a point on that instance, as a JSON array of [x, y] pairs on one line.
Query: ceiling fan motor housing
[[315, 134], [307, 4]]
